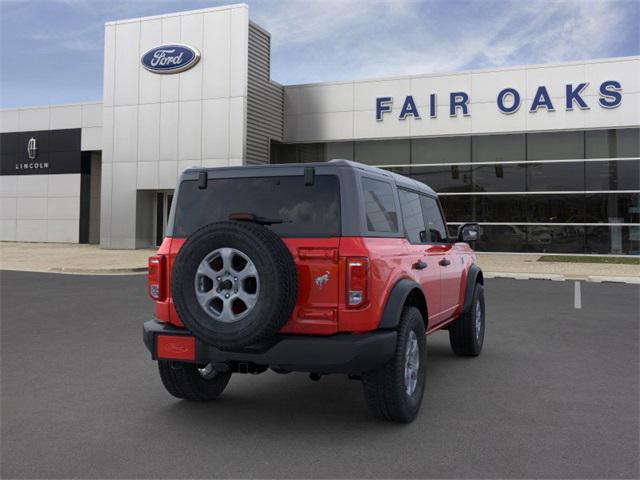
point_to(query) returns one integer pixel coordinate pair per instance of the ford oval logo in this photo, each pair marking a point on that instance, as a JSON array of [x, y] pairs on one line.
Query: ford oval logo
[[173, 58]]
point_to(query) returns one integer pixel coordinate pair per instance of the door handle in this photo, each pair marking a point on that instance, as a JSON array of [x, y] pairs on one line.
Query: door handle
[[444, 262], [419, 265]]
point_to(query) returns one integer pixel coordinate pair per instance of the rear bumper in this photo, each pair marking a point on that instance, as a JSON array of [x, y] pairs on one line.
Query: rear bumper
[[340, 353]]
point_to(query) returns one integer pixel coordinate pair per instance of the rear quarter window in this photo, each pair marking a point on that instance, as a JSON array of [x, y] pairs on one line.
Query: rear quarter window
[[380, 206], [306, 210]]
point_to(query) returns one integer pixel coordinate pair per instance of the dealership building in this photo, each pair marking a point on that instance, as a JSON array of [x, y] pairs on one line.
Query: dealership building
[[544, 157]]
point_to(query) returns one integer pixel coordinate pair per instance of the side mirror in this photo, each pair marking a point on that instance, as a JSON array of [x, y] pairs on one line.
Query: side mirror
[[468, 232]]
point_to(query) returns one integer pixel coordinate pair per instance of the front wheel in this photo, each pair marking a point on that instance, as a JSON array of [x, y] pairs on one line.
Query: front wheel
[[395, 391], [187, 381], [466, 334]]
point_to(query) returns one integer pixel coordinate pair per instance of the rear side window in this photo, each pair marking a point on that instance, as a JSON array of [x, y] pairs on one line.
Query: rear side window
[[380, 207], [306, 210], [412, 217], [433, 220]]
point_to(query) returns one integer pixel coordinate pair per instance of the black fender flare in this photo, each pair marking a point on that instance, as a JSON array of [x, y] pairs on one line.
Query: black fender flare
[[397, 300], [474, 276]]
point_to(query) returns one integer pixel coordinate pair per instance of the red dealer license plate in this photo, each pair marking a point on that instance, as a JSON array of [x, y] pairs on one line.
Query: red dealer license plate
[[174, 347]]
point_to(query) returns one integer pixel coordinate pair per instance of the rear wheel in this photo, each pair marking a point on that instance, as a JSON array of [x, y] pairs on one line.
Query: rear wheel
[[187, 381], [395, 391], [466, 334]]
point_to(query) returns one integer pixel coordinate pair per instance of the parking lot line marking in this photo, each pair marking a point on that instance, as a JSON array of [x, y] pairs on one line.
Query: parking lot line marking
[[577, 296]]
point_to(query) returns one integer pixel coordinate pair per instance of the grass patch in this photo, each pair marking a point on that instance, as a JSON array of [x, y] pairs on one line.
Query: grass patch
[[588, 259]]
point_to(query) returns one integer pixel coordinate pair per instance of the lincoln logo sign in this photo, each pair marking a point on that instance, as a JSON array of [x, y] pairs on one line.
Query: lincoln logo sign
[[172, 58], [508, 101]]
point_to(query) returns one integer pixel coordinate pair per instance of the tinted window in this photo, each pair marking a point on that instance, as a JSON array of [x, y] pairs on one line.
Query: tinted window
[[500, 208], [458, 208], [499, 148], [445, 178], [613, 175], [380, 208], [436, 231], [441, 150], [383, 152], [499, 178], [555, 208], [555, 145], [543, 177], [612, 143], [412, 216], [307, 211]]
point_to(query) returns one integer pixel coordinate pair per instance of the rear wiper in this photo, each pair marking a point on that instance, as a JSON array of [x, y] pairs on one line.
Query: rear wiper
[[252, 217]]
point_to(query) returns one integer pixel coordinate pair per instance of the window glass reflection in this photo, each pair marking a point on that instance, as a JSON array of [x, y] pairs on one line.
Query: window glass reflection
[[612, 143], [458, 208], [447, 178], [613, 207], [544, 177], [613, 175], [556, 208], [441, 150], [499, 148], [613, 240], [555, 145], [499, 178], [383, 152], [501, 208]]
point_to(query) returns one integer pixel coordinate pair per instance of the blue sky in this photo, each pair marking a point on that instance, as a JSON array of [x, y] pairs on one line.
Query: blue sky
[[51, 51]]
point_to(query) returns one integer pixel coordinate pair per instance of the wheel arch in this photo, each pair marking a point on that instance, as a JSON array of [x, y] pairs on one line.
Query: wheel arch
[[404, 293], [473, 276]]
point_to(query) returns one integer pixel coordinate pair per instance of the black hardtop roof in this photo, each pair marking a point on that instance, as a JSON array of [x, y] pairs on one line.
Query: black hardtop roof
[[400, 180]]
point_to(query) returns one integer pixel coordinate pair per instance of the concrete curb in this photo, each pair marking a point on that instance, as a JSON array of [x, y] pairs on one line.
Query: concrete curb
[[562, 278]]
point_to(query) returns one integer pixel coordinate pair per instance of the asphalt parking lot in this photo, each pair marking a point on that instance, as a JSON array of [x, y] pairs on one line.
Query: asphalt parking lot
[[554, 394]]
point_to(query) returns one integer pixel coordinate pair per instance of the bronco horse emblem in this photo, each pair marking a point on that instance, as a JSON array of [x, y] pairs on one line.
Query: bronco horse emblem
[[322, 279]]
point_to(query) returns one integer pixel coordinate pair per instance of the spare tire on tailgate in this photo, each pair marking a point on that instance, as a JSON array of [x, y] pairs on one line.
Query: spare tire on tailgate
[[234, 284]]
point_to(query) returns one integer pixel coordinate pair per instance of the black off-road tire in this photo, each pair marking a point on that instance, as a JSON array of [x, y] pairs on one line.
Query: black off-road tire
[[278, 285], [385, 389], [182, 380], [465, 340]]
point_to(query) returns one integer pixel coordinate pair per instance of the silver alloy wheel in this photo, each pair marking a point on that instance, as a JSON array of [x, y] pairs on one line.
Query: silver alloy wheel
[[478, 319], [227, 285], [411, 363]]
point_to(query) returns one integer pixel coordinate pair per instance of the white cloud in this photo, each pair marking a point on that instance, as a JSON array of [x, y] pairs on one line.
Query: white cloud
[[333, 39]]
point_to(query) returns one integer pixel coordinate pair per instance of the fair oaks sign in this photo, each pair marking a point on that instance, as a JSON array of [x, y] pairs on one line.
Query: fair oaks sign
[[508, 100]]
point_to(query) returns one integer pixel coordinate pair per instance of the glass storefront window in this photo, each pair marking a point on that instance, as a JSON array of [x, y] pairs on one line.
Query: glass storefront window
[[440, 150], [502, 238], [612, 143], [339, 150], [446, 178], [499, 178], [613, 240], [383, 152], [549, 177], [613, 175], [613, 207], [458, 208], [555, 239], [555, 208], [499, 148], [500, 208], [555, 145]]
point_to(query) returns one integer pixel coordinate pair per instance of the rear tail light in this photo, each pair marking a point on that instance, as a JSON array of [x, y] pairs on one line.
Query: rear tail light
[[357, 281], [155, 281]]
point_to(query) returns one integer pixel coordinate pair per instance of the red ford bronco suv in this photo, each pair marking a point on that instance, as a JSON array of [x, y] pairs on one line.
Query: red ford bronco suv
[[333, 267]]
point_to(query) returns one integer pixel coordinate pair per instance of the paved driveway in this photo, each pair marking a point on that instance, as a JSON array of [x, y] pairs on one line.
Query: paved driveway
[[554, 394]]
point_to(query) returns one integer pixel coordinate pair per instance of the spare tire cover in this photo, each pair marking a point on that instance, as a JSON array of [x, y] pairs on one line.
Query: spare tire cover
[[234, 284]]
